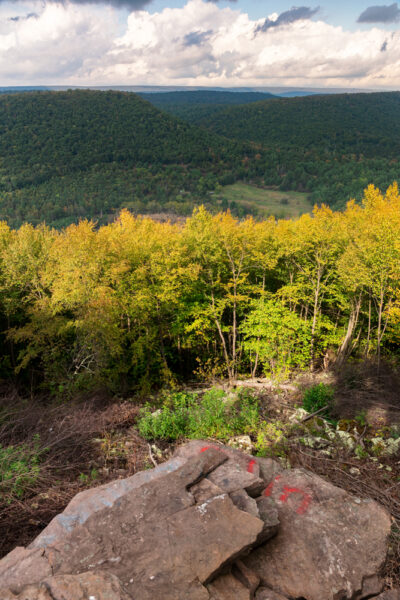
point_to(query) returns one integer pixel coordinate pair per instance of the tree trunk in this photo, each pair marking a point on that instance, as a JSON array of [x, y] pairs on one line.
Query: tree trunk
[[379, 333], [223, 342], [369, 326], [254, 371], [314, 321], [352, 324]]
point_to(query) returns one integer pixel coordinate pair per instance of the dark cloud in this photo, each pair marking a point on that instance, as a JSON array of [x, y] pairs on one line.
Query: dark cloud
[[24, 17], [296, 13], [384, 46], [196, 38], [380, 14]]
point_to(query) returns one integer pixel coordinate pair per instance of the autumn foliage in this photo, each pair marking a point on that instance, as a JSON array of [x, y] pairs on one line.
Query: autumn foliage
[[138, 303]]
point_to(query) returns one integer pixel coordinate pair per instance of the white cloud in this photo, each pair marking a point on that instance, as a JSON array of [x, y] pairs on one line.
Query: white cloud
[[80, 45], [59, 43]]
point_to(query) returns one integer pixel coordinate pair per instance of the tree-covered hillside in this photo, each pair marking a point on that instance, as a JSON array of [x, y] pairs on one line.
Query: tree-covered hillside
[[80, 153], [84, 153], [367, 124], [331, 146]]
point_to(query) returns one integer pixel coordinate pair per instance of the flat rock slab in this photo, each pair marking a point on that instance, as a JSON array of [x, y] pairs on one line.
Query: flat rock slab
[[23, 566], [86, 503], [246, 462], [156, 539], [330, 545]]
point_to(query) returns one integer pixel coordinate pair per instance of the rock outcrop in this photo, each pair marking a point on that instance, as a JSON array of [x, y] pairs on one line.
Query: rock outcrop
[[210, 524], [330, 545]]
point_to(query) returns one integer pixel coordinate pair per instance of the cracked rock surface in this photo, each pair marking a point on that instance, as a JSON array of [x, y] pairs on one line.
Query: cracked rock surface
[[210, 524]]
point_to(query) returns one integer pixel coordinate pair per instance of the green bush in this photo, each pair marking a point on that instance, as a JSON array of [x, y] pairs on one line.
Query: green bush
[[19, 469], [215, 414], [271, 439], [317, 397]]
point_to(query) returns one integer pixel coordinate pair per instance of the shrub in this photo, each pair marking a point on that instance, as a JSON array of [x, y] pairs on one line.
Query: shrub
[[215, 414], [19, 469], [271, 439], [170, 421], [317, 397]]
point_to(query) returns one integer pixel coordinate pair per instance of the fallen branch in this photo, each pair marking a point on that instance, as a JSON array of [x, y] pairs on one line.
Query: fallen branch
[[320, 410]]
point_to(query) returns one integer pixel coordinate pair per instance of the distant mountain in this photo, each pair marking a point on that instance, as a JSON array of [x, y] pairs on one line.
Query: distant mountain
[[84, 153], [161, 99], [195, 105], [296, 94]]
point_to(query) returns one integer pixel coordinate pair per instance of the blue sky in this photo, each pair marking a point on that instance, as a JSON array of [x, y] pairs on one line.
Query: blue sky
[[225, 43], [339, 12]]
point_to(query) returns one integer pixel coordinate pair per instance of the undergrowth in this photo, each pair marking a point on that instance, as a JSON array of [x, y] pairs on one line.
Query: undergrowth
[[188, 415], [19, 468], [317, 397]]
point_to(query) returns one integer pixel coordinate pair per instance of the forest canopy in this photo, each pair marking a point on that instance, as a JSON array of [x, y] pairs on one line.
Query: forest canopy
[[138, 303]]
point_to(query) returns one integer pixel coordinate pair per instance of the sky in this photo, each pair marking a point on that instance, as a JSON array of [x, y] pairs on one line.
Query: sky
[[224, 43]]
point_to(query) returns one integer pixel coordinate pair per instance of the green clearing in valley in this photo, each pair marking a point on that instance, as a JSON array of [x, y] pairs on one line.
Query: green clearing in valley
[[266, 201]]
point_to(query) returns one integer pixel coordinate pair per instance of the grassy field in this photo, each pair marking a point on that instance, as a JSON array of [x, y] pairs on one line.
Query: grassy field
[[266, 201]]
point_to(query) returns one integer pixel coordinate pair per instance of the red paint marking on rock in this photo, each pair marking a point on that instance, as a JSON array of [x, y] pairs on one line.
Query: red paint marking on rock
[[268, 489], [205, 448], [250, 466], [304, 505], [287, 491]]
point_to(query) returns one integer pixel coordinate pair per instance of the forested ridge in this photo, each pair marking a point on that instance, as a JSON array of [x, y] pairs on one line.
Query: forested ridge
[[80, 153], [138, 303], [87, 154], [332, 146]]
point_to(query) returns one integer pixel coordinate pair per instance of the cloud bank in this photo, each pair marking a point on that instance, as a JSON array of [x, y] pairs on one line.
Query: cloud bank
[[200, 43], [380, 14]]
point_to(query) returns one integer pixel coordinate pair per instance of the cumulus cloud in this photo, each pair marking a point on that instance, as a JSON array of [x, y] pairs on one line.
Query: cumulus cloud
[[200, 43], [380, 14], [53, 45], [297, 13]]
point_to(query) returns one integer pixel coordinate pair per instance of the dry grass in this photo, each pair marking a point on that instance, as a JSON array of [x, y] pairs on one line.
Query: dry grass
[[69, 456]]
